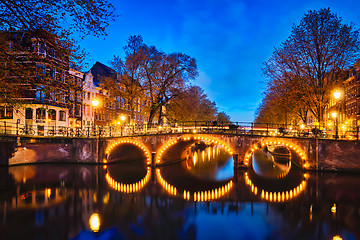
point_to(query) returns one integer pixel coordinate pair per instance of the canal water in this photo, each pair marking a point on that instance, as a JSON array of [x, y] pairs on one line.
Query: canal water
[[200, 197]]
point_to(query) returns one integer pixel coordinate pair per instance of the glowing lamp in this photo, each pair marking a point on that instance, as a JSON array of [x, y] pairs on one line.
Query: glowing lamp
[[94, 222], [95, 102], [337, 95]]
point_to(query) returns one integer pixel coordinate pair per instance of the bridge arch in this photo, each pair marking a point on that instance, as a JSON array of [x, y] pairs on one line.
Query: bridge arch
[[188, 140], [300, 157], [241, 147], [115, 148]]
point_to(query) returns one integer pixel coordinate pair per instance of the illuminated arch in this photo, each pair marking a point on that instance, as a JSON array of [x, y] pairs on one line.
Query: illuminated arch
[[128, 188], [198, 137], [290, 145], [197, 196], [276, 196], [129, 141]]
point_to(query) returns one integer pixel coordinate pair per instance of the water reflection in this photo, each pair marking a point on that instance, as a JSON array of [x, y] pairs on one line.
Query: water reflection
[[271, 161], [205, 159], [327, 206], [128, 187], [200, 195]]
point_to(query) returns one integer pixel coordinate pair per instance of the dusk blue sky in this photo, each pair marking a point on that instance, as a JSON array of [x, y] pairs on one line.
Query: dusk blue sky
[[229, 40]]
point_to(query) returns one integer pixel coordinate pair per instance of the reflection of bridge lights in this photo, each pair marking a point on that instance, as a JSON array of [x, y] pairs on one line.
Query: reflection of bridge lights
[[94, 222], [275, 196], [199, 196], [295, 148], [128, 188], [136, 143], [203, 196], [168, 187]]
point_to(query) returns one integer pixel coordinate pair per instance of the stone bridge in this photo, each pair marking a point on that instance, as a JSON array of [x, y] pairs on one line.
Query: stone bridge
[[312, 153]]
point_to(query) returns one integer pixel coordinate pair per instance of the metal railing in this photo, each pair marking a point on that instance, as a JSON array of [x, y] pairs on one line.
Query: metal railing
[[249, 128]]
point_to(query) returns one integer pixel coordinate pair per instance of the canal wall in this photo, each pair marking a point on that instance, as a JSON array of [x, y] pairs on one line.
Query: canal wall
[[53, 150]]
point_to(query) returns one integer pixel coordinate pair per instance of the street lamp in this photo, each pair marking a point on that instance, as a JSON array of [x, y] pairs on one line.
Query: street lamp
[[334, 115], [121, 123], [95, 103], [337, 95]]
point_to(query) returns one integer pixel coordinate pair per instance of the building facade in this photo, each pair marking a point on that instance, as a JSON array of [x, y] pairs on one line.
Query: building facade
[[47, 91]]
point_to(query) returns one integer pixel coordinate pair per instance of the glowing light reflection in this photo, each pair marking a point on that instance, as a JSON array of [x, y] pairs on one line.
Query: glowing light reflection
[[275, 196], [128, 188]]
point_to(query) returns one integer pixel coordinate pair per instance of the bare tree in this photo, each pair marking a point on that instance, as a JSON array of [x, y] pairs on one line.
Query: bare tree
[[34, 30], [311, 60], [165, 77]]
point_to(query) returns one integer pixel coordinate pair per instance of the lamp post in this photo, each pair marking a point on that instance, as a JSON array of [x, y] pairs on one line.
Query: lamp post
[[334, 115], [337, 96], [121, 123], [95, 103]]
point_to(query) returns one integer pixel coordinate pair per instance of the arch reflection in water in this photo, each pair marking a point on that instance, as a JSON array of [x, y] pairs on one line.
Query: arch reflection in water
[[206, 159], [277, 190], [131, 187], [197, 196], [271, 161]]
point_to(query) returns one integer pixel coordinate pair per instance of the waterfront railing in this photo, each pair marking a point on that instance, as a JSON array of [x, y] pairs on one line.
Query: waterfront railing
[[248, 128]]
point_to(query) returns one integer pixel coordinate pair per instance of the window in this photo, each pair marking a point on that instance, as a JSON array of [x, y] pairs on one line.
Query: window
[[28, 113], [62, 116], [88, 110], [88, 96], [6, 113], [77, 110], [53, 73], [40, 95], [52, 114], [40, 113], [2, 112]]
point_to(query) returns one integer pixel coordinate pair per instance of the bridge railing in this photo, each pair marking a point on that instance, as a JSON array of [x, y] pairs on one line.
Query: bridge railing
[[249, 128]]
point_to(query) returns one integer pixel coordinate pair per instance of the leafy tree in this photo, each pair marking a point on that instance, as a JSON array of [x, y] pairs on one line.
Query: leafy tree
[[222, 117], [128, 83], [311, 60], [191, 105]]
